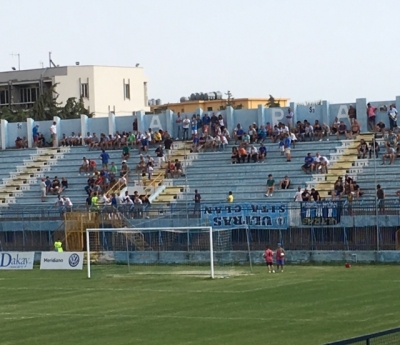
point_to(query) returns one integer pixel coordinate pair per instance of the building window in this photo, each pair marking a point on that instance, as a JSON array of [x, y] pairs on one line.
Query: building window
[[28, 94], [146, 101], [85, 90], [127, 89], [4, 97], [209, 109]]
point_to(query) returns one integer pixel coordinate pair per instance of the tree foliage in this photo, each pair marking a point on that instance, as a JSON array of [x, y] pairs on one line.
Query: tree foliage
[[272, 103], [46, 107]]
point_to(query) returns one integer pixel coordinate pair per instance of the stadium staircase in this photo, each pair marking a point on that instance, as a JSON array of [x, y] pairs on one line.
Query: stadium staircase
[[342, 162], [24, 168]]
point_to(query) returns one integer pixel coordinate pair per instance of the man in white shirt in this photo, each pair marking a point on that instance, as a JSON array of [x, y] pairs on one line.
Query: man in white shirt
[[298, 196], [43, 189], [323, 165], [253, 154], [53, 132], [316, 163], [309, 130], [185, 126], [67, 204]]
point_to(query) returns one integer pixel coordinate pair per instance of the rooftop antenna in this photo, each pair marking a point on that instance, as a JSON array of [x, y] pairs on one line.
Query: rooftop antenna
[[51, 63], [19, 60]]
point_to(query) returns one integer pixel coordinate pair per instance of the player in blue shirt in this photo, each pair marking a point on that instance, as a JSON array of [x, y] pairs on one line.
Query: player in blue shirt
[[308, 162]]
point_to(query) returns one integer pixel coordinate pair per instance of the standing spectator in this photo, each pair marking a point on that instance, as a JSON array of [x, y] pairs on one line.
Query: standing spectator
[[285, 183], [185, 126], [168, 146], [199, 124], [371, 113], [135, 126], [221, 122], [53, 132], [67, 203], [230, 197], [298, 196], [160, 155], [268, 256], [270, 186], [197, 199], [392, 116], [48, 184], [289, 118], [35, 135], [288, 143], [104, 156], [305, 196], [352, 114], [380, 194], [178, 122], [206, 123], [214, 122], [43, 189], [194, 126]]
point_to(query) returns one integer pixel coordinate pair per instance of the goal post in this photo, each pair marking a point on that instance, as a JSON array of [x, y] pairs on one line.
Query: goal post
[[197, 250]]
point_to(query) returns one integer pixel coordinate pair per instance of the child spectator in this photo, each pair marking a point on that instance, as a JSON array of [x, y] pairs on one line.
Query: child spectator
[[270, 186]]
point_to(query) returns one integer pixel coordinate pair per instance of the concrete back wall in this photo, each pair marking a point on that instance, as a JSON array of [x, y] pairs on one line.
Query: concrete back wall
[[323, 112]]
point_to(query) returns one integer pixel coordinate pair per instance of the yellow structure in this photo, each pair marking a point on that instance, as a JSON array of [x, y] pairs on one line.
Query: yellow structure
[[216, 105]]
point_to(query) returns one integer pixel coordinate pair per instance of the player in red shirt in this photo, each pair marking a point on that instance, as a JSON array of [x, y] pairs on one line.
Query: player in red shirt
[[280, 257], [269, 259]]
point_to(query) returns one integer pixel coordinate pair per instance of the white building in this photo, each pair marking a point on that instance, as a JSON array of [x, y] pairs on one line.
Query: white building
[[104, 89]]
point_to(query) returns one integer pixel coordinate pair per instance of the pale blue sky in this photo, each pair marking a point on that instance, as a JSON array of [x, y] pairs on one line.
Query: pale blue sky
[[336, 50]]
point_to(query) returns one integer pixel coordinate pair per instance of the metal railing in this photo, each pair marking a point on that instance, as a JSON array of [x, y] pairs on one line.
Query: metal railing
[[388, 337]]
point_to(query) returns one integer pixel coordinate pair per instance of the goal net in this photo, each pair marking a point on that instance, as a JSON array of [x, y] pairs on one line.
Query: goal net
[[186, 250]]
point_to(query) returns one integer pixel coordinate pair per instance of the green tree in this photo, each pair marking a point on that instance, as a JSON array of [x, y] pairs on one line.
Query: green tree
[[271, 103]]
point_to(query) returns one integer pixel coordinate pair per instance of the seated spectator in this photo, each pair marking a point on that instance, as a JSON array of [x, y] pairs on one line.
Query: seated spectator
[[335, 125], [337, 189], [55, 186], [48, 184], [362, 148], [285, 183], [64, 184], [270, 186], [354, 129], [131, 140], [275, 134], [84, 166], [178, 171], [261, 134], [226, 134], [356, 189], [308, 130], [94, 142], [262, 153], [323, 165], [380, 129], [125, 168], [252, 134], [20, 143], [170, 170], [238, 133], [246, 140], [150, 159], [391, 138], [389, 155], [92, 166], [315, 195], [157, 137], [253, 154], [141, 166], [144, 142], [63, 141], [374, 148], [125, 152], [293, 139], [308, 164], [326, 130], [210, 143], [87, 139], [268, 129], [318, 132], [196, 144], [235, 155], [41, 140], [242, 154], [298, 195], [122, 181], [223, 142], [342, 129]]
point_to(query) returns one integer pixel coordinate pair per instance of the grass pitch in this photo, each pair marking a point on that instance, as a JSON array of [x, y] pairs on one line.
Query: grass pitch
[[303, 305]]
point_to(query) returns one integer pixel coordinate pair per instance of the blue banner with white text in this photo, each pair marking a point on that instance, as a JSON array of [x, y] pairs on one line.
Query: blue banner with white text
[[252, 215]]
